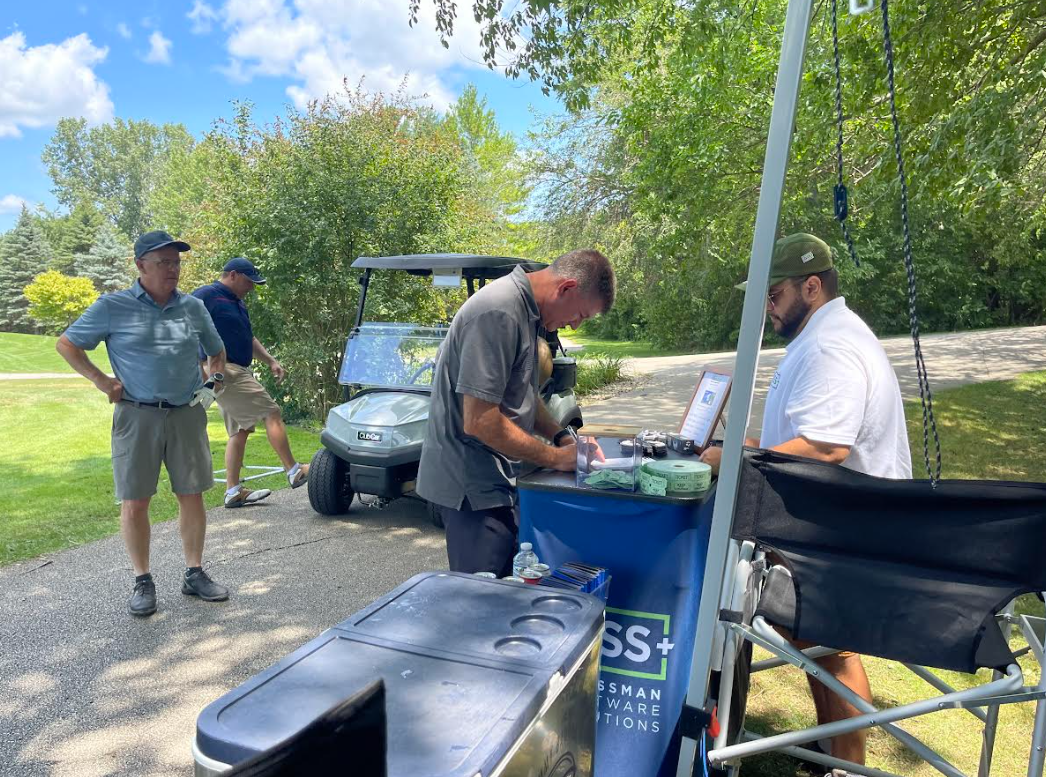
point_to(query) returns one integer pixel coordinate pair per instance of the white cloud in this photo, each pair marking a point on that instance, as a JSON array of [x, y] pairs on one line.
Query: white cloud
[[202, 17], [12, 203], [41, 84], [320, 44], [159, 49], [124, 30]]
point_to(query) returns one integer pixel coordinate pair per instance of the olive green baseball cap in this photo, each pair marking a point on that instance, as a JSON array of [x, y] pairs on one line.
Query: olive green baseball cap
[[797, 256]]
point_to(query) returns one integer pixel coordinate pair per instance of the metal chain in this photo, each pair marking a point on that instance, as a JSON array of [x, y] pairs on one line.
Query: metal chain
[[842, 206], [925, 395]]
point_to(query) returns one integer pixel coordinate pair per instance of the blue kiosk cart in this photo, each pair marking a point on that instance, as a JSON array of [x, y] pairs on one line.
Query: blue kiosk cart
[[654, 548]]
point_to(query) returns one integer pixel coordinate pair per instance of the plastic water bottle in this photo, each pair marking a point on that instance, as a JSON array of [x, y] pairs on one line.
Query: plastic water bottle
[[525, 558]]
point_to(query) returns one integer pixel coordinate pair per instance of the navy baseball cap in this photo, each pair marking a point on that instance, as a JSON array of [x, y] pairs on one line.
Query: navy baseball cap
[[152, 241], [243, 267]]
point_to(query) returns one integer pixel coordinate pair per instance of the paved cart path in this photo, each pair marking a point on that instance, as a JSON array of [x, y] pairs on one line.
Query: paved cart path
[[665, 384], [86, 690]]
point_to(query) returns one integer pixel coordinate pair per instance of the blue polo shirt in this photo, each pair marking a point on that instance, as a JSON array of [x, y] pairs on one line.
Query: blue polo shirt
[[231, 320], [153, 350]]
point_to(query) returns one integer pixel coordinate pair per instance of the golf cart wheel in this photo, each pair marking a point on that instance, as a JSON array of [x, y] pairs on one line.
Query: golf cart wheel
[[435, 516], [329, 490]]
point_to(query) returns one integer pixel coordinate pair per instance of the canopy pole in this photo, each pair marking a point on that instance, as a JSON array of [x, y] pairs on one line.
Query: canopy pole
[[775, 166]]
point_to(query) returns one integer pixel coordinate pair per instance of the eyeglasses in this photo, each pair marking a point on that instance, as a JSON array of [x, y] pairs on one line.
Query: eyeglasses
[[169, 264], [773, 296]]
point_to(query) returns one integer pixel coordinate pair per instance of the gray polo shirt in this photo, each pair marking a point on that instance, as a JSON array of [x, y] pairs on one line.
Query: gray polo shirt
[[153, 350], [490, 353]]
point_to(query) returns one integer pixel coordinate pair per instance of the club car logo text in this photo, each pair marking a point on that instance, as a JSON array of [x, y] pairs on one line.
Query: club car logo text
[[369, 436]]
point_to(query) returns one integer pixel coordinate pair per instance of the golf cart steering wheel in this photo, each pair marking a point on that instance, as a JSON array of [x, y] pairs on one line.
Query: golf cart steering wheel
[[413, 379]]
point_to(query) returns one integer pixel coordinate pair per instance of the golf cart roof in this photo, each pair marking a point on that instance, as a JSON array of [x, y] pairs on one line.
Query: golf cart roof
[[471, 265]]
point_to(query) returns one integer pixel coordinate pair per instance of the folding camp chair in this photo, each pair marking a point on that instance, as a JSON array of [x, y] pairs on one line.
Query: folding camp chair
[[895, 569]]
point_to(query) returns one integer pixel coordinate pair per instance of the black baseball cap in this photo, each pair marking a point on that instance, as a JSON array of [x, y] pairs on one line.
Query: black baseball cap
[[244, 267], [152, 241]]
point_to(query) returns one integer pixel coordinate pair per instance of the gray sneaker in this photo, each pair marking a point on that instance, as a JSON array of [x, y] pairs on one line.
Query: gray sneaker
[[199, 583], [143, 599]]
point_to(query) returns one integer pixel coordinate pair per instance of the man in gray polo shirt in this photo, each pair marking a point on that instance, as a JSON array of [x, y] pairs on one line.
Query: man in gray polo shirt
[[486, 407], [152, 332]]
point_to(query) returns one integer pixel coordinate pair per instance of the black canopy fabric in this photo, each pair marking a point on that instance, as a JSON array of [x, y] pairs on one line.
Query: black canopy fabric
[[893, 568]]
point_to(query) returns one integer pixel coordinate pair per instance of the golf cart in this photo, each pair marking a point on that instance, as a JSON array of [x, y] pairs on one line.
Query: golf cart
[[372, 442]]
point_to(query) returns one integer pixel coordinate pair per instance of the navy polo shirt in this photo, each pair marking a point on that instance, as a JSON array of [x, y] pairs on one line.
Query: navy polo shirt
[[231, 320]]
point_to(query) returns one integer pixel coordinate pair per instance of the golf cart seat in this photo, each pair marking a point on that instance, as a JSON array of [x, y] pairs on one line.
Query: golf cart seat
[[895, 569]]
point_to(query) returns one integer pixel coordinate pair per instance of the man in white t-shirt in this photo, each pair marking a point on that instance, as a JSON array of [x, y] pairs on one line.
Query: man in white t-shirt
[[833, 398]]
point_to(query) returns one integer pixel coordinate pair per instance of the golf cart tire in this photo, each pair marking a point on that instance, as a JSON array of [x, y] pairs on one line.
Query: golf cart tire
[[435, 516], [329, 491]]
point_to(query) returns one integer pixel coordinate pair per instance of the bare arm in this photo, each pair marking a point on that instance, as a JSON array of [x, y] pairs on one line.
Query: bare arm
[[800, 446], [812, 449], [259, 353], [215, 363], [486, 422], [79, 361], [545, 424]]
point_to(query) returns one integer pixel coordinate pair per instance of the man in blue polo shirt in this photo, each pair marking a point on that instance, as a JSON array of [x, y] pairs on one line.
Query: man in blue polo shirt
[[152, 332], [245, 402]]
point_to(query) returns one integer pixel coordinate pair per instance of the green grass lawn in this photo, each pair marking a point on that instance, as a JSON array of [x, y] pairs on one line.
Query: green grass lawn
[[57, 475], [624, 349], [36, 353]]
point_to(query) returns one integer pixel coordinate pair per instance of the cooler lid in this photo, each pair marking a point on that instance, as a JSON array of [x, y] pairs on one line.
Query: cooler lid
[[466, 663], [484, 618]]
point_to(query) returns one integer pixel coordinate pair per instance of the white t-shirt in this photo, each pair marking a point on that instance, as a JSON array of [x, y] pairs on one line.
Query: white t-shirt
[[836, 385]]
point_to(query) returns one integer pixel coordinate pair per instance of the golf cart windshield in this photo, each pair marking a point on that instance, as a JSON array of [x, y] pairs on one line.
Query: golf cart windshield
[[391, 356]]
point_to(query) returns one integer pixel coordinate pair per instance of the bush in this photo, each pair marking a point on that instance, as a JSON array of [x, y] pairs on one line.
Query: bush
[[595, 372], [57, 300]]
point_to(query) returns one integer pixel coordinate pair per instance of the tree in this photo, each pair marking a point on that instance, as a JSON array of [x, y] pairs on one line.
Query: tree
[[362, 175], [112, 166], [664, 167], [26, 254], [498, 189], [180, 203], [57, 300], [71, 234], [108, 263]]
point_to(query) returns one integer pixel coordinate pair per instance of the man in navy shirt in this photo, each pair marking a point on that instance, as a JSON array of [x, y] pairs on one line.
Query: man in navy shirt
[[245, 402]]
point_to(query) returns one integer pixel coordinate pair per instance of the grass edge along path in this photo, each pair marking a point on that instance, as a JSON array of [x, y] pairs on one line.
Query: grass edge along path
[[57, 472]]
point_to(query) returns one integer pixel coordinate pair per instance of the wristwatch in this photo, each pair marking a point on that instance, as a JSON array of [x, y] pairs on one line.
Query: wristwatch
[[217, 377], [560, 435]]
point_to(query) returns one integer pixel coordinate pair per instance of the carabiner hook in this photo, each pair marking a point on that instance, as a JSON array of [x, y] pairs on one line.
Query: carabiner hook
[[858, 7]]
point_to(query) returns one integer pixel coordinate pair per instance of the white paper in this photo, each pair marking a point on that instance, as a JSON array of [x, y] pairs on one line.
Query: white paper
[[699, 419]]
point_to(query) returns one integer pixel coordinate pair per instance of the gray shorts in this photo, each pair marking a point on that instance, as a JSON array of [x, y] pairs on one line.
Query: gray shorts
[[145, 436]]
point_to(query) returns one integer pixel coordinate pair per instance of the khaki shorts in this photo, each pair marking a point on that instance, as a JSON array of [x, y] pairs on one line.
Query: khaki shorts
[[244, 401], [143, 437]]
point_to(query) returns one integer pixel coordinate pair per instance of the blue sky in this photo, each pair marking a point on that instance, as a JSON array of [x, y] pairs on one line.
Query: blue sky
[[186, 60]]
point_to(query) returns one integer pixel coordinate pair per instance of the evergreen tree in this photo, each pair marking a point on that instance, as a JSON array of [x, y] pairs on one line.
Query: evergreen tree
[[26, 254], [71, 234], [107, 263]]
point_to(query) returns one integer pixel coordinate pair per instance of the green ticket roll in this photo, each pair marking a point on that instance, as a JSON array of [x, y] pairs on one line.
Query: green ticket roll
[[675, 477]]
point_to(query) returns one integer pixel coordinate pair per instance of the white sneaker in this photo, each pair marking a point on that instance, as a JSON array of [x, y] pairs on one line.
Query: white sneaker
[[298, 475], [244, 496]]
